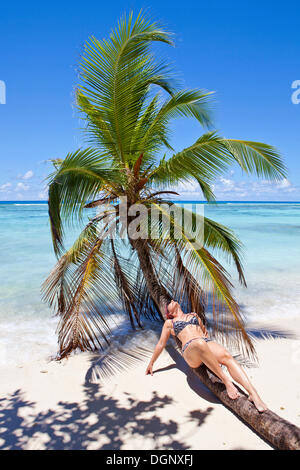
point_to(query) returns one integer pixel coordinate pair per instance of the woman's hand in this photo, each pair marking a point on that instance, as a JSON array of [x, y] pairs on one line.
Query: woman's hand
[[149, 369], [165, 334]]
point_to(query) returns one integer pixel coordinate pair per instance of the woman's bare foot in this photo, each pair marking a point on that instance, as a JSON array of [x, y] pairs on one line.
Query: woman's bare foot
[[232, 391], [258, 403]]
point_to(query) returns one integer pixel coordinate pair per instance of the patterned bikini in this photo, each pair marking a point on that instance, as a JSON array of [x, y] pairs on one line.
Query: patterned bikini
[[179, 325]]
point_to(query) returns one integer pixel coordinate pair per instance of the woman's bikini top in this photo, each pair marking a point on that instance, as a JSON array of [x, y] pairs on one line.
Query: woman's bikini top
[[179, 325]]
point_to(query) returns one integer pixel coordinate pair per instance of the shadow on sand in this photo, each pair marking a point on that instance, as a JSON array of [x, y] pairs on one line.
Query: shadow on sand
[[98, 422]]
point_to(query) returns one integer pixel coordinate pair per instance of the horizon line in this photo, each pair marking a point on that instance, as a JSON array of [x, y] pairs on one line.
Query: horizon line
[[37, 201]]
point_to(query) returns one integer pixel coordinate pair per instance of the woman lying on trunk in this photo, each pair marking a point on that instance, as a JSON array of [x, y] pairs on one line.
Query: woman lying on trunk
[[198, 348]]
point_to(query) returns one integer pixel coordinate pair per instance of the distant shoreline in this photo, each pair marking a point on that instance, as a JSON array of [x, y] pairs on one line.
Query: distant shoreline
[[180, 201]]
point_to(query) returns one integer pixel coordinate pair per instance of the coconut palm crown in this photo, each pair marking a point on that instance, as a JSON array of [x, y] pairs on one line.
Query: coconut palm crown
[[128, 99]]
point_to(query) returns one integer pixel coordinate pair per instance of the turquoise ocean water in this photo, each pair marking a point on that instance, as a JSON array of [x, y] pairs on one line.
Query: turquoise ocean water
[[270, 233]]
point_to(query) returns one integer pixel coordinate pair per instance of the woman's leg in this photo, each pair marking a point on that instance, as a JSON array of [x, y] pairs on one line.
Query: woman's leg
[[237, 373], [198, 349]]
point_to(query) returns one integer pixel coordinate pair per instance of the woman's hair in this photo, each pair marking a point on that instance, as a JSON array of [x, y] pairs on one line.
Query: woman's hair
[[169, 315]]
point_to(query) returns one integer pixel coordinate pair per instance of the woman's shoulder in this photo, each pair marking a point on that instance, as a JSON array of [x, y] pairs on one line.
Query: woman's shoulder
[[168, 324]]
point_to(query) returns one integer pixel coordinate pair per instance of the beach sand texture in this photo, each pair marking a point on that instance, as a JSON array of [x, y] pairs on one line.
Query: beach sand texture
[[58, 405]]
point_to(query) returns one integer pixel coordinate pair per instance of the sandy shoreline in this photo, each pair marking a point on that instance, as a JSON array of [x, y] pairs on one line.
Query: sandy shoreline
[[49, 405]]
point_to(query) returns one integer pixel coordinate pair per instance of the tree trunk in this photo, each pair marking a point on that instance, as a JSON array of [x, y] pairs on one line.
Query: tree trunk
[[277, 431], [158, 293]]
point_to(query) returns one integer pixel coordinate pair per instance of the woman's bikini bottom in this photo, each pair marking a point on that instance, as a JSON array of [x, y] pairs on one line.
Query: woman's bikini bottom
[[189, 342]]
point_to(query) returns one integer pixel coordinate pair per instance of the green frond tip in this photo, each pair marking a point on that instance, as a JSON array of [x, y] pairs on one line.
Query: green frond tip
[[257, 158]]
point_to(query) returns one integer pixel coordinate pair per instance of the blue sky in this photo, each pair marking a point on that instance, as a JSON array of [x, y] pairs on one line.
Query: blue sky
[[247, 52]]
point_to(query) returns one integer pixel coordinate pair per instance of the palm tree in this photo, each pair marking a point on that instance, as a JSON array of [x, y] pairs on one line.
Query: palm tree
[[128, 100]]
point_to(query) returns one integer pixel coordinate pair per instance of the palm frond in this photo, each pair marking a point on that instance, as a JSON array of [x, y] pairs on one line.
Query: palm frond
[[104, 200], [187, 103], [117, 74], [204, 161], [88, 298], [210, 156], [207, 190], [78, 179], [126, 288], [256, 158], [208, 272], [223, 240]]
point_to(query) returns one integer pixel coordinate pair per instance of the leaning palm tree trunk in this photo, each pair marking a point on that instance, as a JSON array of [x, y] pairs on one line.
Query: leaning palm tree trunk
[[277, 431], [157, 291]]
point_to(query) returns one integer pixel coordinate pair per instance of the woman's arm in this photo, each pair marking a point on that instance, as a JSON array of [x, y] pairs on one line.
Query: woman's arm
[[165, 334]]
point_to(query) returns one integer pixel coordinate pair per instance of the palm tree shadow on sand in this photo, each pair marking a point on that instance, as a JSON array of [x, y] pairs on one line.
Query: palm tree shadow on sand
[[99, 421]]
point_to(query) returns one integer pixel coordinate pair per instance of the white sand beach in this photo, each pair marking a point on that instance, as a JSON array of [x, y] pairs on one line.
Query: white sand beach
[[56, 405]]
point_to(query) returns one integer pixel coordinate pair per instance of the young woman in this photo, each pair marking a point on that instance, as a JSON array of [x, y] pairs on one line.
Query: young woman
[[198, 348]]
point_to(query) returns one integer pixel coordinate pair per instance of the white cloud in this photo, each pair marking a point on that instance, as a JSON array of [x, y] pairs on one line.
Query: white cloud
[[5, 187], [188, 187], [22, 187], [44, 193], [228, 188], [28, 175], [228, 185], [264, 186], [286, 185]]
